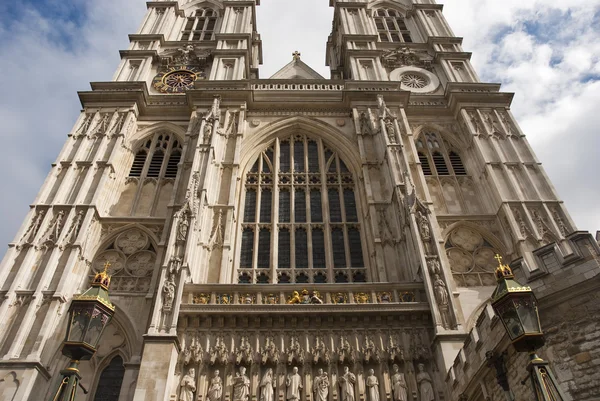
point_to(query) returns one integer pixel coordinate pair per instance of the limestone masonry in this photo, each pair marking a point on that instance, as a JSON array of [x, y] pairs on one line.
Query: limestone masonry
[[297, 238]]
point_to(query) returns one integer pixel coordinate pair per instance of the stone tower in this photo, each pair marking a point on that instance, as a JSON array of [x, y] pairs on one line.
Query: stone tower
[[287, 238]]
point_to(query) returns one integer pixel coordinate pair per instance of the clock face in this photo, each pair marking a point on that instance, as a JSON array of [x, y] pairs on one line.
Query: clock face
[[177, 79]]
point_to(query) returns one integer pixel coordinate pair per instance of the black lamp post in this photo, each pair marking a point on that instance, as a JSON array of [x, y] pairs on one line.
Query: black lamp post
[[89, 314], [517, 307]]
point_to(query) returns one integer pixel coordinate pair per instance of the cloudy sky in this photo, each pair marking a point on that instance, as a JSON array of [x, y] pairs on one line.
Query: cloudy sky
[[546, 51]]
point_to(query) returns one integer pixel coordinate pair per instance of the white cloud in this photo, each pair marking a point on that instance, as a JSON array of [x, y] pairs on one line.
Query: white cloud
[[544, 51]]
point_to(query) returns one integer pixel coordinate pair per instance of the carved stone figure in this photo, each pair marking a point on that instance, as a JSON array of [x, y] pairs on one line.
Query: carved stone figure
[[425, 384], [207, 133], [244, 352], [241, 385], [267, 385], [442, 298], [295, 351], [188, 386], [183, 225], [321, 386], [347, 381], [73, 230], [293, 383], [218, 352], [34, 227], [390, 129], [370, 351], [184, 54], [269, 352], [398, 385], [423, 226], [372, 386], [560, 223], [320, 351], [395, 351], [316, 298], [345, 351], [215, 391], [168, 293], [364, 124], [384, 111]]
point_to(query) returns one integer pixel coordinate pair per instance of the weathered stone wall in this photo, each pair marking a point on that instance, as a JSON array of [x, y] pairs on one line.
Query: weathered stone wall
[[567, 288]]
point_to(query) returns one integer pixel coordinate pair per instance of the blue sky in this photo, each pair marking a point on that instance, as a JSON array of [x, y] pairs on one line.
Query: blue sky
[[547, 52]]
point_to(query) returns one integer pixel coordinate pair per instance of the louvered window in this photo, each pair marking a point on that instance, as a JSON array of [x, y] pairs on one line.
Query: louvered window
[[457, 164], [440, 163], [160, 153], [424, 164], [287, 186]]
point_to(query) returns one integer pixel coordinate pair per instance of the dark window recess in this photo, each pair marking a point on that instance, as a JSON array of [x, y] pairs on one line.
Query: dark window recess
[[266, 199], [356, 255], [250, 206], [284, 206], [138, 163], [111, 379], [318, 248], [424, 164], [335, 209], [320, 278], [313, 157], [299, 157], [316, 214], [300, 206], [172, 165], [337, 245], [302, 278], [350, 205], [283, 260], [264, 249], [247, 248], [155, 163], [457, 165], [440, 164], [254, 168], [245, 278], [301, 249], [284, 159], [284, 278], [341, 277], [262, 278]]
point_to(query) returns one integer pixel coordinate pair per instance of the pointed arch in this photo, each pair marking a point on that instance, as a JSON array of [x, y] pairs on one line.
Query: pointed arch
[[301, 220], [394, 5], [216, 5], [138, 138]]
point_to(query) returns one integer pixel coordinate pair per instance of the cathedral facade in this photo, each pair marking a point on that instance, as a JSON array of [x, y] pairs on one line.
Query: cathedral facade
[[296, 238]]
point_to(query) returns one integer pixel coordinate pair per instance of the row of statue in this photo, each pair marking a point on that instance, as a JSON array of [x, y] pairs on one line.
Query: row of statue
[[320, 387]]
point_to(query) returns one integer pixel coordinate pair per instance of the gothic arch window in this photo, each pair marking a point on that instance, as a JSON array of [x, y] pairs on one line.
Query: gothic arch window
[[300, 220], [157, 157], [201, 26], [132, 258], [437, 157], [471, 258], [391, 26], [111, 380]]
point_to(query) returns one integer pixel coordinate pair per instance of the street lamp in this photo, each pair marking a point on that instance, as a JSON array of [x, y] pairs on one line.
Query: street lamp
[[89, 314], [517, 308]]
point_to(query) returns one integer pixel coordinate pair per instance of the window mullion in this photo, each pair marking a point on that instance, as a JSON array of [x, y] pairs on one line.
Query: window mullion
[[144, 173], [325, 211], [344, 221]]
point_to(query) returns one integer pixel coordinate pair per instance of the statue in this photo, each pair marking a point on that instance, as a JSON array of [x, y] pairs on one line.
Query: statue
[[372, 386], [266, 386], [188, 386], [390, 129], [215, 391], [441, 292], [168, 293], [425, 384], [241, 385], [294, 385], [398, 385], [347, 381], [321, 386]]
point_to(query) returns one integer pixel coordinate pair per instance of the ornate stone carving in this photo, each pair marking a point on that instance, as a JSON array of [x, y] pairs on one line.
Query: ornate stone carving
[[33, 228], [365, 124], [168, 291], [372, 385], [101, 126], [406, 57], [345, 351], [562, 227], [370, 351], [305, 298], [267, 386], [321, 386], [425, 384], [269, 353], [241, 385], [85, 125], [293, 383], [215, 390], [399, 387], [193, 352], [217, 237], [295, 352], [244, 353], [346, 382], [188, 386], [52, 233], [218, 353], [73, 231], [394, 350], [390, 130], [442, 298], [320, 352]]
